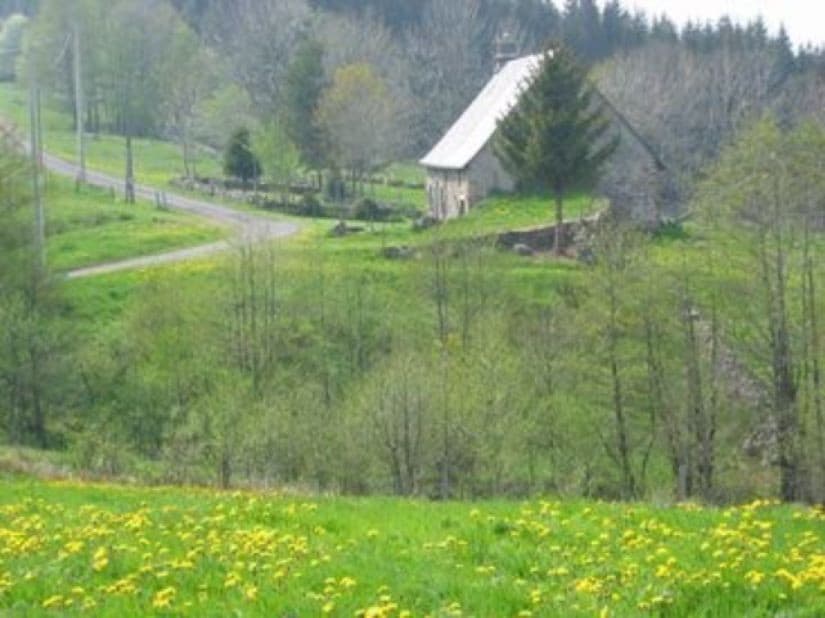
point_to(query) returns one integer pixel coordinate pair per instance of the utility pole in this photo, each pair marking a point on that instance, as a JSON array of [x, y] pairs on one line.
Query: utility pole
[[130, 170], [79, 104], [36, 153]]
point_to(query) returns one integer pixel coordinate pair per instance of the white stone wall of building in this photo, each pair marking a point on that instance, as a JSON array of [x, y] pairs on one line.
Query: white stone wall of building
[[452, 193], [448, 193], [486, 175]]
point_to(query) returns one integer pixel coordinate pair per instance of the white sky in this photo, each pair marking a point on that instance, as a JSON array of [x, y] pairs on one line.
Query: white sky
[[804, 19]]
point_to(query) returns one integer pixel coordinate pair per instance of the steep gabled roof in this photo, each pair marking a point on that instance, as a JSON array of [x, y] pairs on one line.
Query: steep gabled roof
[[476, 126]]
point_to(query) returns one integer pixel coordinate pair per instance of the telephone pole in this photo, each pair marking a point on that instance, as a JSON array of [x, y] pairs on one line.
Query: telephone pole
[[79, 104], [36, 137]]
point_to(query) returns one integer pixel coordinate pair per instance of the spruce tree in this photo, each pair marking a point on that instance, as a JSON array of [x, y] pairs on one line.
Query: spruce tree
[[555, 139], [239, 160], [303, 88]]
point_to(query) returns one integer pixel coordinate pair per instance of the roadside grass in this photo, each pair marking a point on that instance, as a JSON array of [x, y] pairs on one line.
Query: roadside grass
[[89, 227], [71, 548], [95, 304]]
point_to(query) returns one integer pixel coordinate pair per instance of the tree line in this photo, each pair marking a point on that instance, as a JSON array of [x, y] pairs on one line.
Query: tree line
[[286, 71]]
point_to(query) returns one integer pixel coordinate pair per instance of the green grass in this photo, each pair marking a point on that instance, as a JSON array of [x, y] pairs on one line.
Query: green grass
[[530, 280], [126, 551], [491, 217], [90, 227], [406, 171], [503, 213], [156, 162]]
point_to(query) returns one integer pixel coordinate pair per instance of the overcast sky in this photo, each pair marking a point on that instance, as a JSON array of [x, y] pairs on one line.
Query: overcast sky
[[804, 19]]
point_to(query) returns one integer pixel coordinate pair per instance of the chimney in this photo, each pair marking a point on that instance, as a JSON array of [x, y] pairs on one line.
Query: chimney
[[506, 49]]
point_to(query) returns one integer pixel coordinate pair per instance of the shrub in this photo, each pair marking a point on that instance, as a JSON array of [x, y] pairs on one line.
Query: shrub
[[239, 160], [310, 206]]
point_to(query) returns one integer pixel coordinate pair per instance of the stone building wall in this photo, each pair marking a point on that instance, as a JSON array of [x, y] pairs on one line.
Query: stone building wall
[[452, 193]]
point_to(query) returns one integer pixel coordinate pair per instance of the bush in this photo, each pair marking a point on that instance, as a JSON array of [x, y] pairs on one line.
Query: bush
[[369, 210], [310, 206], [239, 160]]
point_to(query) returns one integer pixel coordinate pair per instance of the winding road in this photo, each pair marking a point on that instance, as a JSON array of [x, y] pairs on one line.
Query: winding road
[[249, 227]]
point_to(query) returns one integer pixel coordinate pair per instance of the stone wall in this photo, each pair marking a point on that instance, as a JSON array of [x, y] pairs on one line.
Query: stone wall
[[452, 193], [447, 193], [544, 238]]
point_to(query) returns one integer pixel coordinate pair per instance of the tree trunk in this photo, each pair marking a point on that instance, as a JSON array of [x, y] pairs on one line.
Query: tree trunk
[[622, 436], [130, 172], [816, 372], [38, 420], [659, 407], [774, 280], [558, 240], [225, 471], [187, 170]]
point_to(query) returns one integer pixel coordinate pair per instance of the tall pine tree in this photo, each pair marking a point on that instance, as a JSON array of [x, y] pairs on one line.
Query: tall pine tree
[[556, 138], [304, 85]]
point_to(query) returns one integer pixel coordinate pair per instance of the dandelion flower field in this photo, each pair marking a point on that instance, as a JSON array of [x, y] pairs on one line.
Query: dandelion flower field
[[73, 549]]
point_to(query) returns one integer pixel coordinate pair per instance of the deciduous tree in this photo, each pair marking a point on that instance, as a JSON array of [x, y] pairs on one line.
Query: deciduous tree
[[357, 113]]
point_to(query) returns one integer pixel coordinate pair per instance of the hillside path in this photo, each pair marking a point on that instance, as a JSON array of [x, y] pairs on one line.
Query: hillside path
[[249, 226]]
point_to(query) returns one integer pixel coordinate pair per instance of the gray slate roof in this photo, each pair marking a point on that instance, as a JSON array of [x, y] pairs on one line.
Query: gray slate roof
[[477, 125]]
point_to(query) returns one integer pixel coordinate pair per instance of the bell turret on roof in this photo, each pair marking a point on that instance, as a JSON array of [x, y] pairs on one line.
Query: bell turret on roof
[[506, 50]]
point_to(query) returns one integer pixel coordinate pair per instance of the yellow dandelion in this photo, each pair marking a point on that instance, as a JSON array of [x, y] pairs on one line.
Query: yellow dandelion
[[53, 601], [164, 598], [100, 560]]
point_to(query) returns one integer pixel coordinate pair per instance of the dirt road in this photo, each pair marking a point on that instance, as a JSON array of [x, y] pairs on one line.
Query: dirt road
[[248, 226]]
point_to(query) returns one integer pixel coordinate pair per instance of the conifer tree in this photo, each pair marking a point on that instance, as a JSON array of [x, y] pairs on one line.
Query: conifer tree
[[239, 160], [555, 139], [303, 88]]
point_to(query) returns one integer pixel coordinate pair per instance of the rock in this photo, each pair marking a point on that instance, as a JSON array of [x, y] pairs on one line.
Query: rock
[[523, 250], [424, 223], [398, 253], [585, 255], [341, 229]]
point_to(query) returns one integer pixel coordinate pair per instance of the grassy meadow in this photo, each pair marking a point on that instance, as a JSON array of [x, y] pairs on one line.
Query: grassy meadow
[[69, 548], [89, 227]]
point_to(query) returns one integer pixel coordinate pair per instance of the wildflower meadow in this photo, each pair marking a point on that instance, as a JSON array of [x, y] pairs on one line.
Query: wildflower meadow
[[79, 549]]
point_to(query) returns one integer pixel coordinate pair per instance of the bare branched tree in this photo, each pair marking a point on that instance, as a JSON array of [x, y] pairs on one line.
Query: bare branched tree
[[259, 36]]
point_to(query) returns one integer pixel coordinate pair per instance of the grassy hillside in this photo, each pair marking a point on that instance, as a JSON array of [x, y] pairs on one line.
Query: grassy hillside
[[90, 227], [359, 253], [72, 549]]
